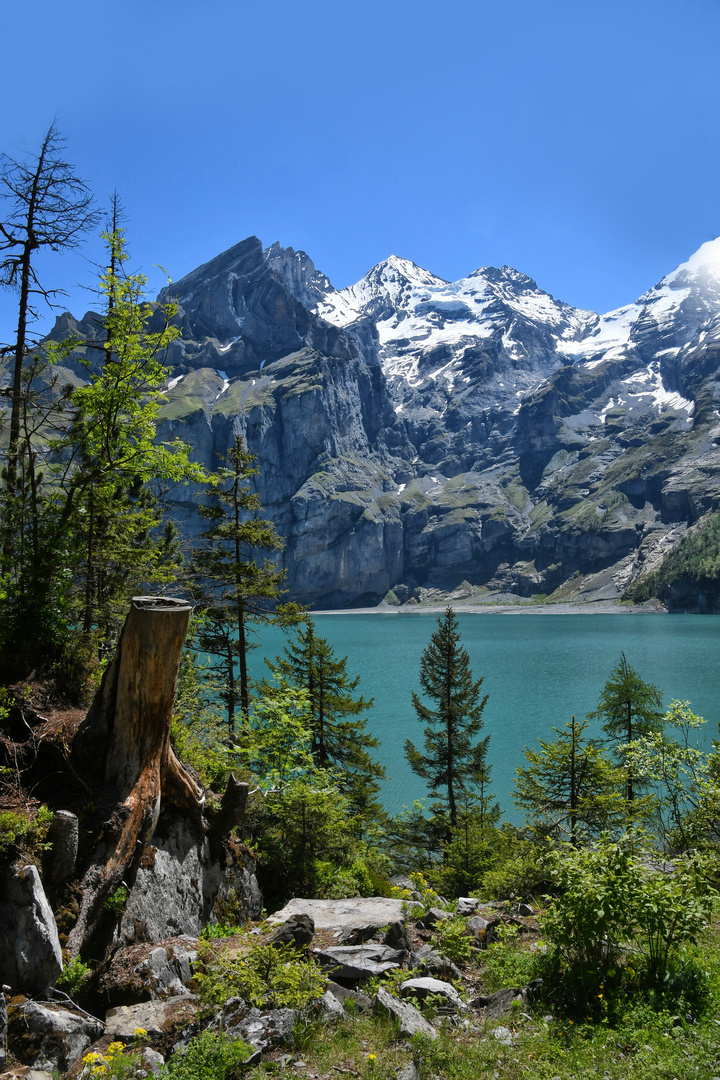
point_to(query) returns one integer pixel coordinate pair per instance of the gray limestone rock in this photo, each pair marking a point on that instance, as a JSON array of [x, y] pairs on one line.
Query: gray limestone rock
[[331, 1007], [358, 1000], [408, 1072], [353, 963], [258, 1027], [397, 937], [434, 916], [349, 914], [466, 905], [297, 930], [503, 1035], [502, 1002], [430, 961], [479, 926], [142, 973], [412, 1022], [155, 1017], [30, 955], [167, 972], [422, 987], [46, 1035], [152, 1061], [182, 879]]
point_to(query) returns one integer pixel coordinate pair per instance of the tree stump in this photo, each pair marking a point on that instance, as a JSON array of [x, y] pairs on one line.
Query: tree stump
[[124, 745]]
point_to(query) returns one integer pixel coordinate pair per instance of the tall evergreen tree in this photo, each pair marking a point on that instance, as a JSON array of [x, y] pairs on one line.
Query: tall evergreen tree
[[630, 708], [339, 738], [238, 590], [569, 787], [454, 761]]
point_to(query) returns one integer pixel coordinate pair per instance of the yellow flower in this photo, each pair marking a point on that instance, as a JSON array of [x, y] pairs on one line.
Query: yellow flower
[[98, 1070], [372, 1058], [139, 1033], [114, 1047], [571, 1021], [94, 1056], [599, 995]]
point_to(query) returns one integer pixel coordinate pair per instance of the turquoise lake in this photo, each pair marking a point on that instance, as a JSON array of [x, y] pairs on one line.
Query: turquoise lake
[[539, 670]]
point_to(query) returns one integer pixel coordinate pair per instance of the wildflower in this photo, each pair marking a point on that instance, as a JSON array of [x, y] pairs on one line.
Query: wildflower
[[600, 995], [90, 1058], [139, 1033], [114, 1047], [571, 1021], [98, 1070], [371, 1059]]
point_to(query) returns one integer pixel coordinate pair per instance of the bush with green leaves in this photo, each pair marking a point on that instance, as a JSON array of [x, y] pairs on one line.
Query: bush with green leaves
[[17, 827], [211, 1055], [453, 941], [74, 974], [270, 975], [612, 899]]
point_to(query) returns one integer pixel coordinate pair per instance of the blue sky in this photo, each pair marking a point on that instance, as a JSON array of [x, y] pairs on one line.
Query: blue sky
[[574, 140]]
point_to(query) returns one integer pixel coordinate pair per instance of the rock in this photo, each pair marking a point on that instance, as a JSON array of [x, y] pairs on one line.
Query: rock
[[331, 1007], [412, 1022], [344, 994], [433, 963], [466, 905], [140, 973], [297, 930], [349, 914], [478, 926], [402, 881], [397, 937], [352, 963], [63, 835], [500, 1003], [30, 955], [420, 988], [155, 1017], [503, 1035], [50, 1036], [183, 880], [3, 1032], [408, 1072], [152, 1061], [434, 916], [257, 1027], [525, 909]]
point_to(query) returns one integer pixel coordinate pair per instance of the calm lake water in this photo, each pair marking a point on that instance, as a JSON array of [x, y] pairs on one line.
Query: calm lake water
[[539, 670]]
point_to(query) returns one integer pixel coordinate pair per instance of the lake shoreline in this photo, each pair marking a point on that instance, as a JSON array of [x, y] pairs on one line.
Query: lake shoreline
[[589, 607]]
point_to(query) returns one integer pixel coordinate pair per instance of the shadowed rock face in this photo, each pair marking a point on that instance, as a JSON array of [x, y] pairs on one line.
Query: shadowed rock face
[[415, 434]]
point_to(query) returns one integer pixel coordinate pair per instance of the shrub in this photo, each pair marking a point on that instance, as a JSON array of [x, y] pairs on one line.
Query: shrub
[[15, 827], [269, 975], [210, 1056], [74, 974]]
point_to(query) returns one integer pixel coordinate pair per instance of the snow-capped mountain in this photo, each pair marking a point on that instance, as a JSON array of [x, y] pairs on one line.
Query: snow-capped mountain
[[414, 433]]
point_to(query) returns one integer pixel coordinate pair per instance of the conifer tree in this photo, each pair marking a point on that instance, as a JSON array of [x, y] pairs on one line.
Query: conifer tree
[[454, 761], [569, 787], [339, 738], [630, 709], [238, 589]]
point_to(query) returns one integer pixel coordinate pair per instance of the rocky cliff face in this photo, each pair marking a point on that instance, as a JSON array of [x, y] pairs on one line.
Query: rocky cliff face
[[415, 433]]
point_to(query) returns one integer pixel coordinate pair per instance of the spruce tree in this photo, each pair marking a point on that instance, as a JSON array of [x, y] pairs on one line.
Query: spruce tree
[[454, 761], [339, 738], [238, 590], [630, 709], [569, 787]]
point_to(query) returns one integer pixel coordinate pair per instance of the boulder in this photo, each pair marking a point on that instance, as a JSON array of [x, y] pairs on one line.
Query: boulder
[[142, 973], [331, 1007], [46, 1035], [297, 930], [152, 1061], [501, 1003], [481, 926], [259, 1028], [344, 994], [422, 987], [411, 1020], [408, 1072], [525, 910], [466, 905], [352, 963], [397, 937], [355, 913], [155, 1017], [434, 916], [184, 882], [432, 962], [63, 838], [503, 1035], [30, 955]]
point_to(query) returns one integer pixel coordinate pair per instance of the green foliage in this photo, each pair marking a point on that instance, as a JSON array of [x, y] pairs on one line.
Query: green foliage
[[508, 961], [221, 929], [453, 940], [630, 709], [695, 560], [453, 761], [569, 788], [611, 899], [268, 976], [211, 1055], [276, 743], [74, 974], [519, 869], [339, 739], [237, 590], [117, 900], [16, 828]]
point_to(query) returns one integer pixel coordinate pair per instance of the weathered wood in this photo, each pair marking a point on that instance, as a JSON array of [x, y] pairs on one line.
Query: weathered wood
[[124, 743]]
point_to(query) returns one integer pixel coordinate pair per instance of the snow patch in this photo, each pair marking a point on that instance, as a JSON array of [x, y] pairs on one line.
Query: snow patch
[[173, 382]]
